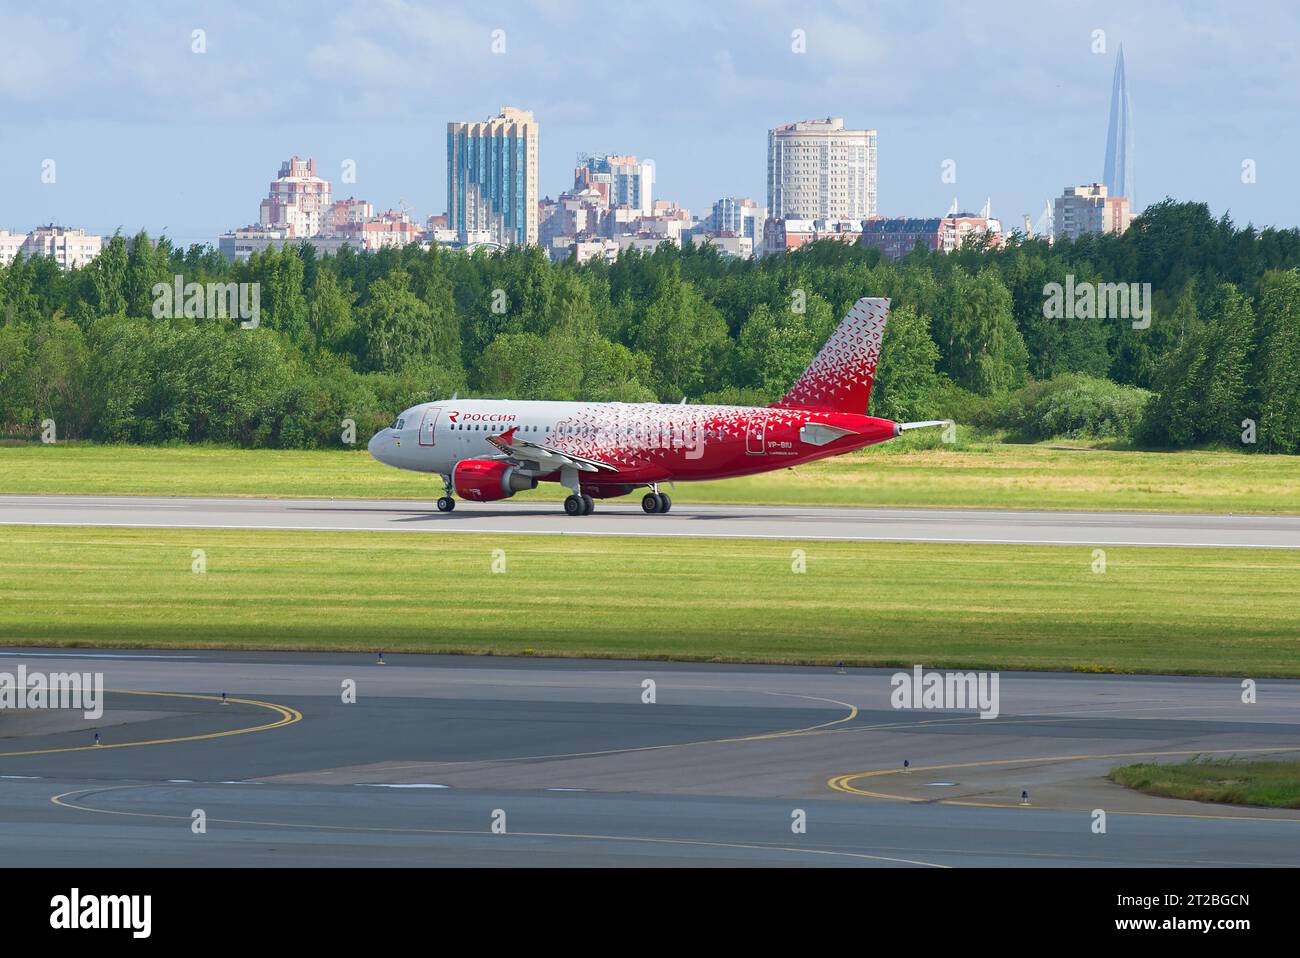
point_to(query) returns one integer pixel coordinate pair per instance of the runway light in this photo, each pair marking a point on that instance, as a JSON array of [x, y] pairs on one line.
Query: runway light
[[381, 659], [1024, 797], [97, 742], [907, 766], [839, 668], [223, 699]]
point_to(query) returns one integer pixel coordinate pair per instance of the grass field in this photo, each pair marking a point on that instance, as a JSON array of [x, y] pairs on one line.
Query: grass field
[[906, 472], [1234, 781], [1154, 610]]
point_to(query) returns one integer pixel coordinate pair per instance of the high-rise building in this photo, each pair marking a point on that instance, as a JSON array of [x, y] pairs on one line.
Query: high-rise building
[[625, 181], [298, 199], [816, 169], [1118, 174], [492, 177], [298, 209], [1089, 209], [738, 217]]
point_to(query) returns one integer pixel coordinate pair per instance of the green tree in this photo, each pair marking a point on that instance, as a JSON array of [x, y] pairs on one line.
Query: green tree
[[526, 366], [1279, 360], [906, 376], [397, 325], [686, 340], [980, 347], [329, 313]]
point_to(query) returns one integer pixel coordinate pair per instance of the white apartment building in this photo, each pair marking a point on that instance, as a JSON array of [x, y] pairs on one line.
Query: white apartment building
[[1088, 209], [816, 169], [631, 183], [740, 217], [70, 248], [731, 247]]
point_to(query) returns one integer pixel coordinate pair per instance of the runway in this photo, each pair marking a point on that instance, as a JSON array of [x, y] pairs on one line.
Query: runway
[[531, 762], [623, 519]]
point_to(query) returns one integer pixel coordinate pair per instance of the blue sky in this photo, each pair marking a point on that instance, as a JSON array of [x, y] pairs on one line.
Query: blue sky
[[147, 133]]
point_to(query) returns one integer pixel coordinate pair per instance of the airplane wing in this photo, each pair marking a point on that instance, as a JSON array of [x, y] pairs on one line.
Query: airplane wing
[[512, 447]]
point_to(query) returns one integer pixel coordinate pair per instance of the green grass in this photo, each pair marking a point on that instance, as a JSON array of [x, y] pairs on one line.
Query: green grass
[[1229, 780], [1154, 610], [903, 473]]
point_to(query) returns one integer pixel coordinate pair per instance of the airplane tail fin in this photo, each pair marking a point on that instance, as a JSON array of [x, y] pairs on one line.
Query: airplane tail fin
[[842, 373]]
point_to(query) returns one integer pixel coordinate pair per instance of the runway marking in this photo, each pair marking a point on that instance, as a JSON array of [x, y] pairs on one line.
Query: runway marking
[[793, 536], [399, 785], [93, 655], [288, 716], [844, 783], [62, 801]]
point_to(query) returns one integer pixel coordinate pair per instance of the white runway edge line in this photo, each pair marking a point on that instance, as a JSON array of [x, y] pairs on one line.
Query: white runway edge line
[[787, 536], [91, 655]]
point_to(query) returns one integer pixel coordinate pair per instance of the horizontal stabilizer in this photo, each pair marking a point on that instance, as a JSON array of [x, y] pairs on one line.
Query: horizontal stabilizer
[[902, 427]]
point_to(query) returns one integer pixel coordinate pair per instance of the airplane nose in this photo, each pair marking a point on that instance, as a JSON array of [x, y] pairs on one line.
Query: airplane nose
[[376, 445]]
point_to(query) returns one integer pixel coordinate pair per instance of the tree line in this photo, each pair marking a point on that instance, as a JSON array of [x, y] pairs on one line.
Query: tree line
[[360, 336]]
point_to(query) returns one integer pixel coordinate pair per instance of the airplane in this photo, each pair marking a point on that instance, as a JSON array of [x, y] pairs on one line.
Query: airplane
[[486, 450]]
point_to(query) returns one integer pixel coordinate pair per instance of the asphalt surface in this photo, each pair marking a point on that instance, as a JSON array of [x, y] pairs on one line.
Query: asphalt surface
[[576, 769], [622, 519]]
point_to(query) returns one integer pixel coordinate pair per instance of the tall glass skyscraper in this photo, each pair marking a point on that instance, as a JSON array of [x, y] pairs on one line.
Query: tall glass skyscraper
[[1118, 175], [492, 178]]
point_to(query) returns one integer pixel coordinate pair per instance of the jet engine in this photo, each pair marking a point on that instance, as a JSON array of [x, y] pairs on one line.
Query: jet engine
[[486, 480]]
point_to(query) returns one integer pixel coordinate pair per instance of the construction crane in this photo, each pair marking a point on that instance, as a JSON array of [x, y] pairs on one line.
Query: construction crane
[[1042, 227]]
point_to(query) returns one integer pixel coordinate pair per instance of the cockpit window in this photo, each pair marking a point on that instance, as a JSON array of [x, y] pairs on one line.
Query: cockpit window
[[398, 423]]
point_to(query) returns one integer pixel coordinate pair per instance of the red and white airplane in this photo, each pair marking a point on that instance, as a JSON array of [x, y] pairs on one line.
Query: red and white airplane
[[489, 449]]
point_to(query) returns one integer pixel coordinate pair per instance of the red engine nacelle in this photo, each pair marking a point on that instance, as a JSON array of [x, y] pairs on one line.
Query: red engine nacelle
[[486, 480]]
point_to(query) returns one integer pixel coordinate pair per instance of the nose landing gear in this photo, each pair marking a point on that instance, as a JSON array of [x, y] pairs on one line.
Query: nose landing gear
[[446, 503]]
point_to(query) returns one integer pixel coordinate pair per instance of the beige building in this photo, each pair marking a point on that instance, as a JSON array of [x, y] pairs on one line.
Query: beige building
[[69, 248], [298, 199], [816, 169], [1087, 209], [492, 179]]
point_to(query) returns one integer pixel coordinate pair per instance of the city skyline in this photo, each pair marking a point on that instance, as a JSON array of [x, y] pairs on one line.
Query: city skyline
[[149, 134]]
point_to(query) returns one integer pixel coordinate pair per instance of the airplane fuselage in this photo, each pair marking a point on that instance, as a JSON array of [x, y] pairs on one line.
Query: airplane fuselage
[[645, 443]]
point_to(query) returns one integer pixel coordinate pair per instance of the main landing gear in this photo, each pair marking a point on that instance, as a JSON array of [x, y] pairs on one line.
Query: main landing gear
[[582, 505], [654, 502], [446, 503]]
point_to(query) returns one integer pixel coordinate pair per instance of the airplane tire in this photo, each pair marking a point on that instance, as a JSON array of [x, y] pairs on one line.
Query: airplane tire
[[573, 506], [650, 503], [446, 504], [588, 505], [664, 502]]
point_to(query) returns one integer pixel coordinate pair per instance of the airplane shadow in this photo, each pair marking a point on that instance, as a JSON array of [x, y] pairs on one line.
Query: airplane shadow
[[417, 513]]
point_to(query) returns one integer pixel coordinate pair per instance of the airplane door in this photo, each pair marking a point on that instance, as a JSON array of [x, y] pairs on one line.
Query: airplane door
[[755, 436], [428, 425]]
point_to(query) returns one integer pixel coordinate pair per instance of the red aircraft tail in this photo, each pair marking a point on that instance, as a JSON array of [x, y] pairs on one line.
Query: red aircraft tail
[[842, 373]]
